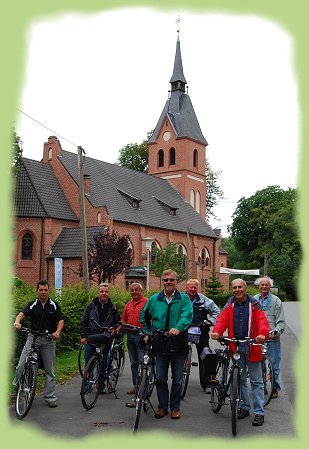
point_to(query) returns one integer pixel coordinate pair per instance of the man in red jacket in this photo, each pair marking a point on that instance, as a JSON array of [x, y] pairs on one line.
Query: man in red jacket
[[242, 317]]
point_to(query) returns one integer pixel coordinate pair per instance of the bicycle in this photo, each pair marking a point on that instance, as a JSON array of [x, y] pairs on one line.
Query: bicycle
[[226, 380], [193, 338], [81, 359], [145, 380], [92, 377], [28, 381], [268, 372]]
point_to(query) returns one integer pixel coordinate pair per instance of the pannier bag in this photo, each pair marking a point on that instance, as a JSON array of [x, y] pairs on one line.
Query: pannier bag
[[209, 359]]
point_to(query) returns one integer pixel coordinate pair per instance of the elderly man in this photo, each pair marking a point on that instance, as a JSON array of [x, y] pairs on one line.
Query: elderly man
[[131, 315], [204, 309], [45, 314], [242, 317], [169, 311], [273, 308], [99, 312]]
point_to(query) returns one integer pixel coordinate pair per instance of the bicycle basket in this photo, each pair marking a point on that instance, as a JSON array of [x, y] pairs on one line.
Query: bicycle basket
[[194, 334]]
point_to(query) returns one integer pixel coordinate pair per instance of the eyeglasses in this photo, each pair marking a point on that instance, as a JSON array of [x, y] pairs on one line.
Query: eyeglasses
[[168, 280]]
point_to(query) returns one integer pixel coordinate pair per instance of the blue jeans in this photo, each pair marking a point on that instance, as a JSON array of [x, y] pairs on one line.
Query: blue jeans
[[135, 354], [90, 350], [162, 364], [274, 352], [256, 382]]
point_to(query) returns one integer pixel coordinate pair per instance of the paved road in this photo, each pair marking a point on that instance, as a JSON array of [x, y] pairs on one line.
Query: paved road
[[110, 414]]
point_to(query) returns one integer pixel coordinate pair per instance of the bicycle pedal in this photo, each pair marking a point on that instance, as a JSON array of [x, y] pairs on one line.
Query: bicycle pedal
[[194, 363]]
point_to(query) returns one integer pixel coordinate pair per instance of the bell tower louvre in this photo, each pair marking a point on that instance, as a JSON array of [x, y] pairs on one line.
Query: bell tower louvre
[[177, 147]]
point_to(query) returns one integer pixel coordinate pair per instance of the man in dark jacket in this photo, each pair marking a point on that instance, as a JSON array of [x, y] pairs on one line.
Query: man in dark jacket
[[99, 312]]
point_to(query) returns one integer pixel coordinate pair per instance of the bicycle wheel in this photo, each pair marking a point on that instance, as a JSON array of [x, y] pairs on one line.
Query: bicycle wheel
[[81, 359], [90, 388], [268, 378], [235, 398], [217, 393], [150, 383], [140, 397], [26, 390], [186, 373], [114, 372], [121, 357]]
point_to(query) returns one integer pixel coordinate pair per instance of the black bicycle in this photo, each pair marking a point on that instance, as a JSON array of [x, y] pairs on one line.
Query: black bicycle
[[81, 358], [146, 376], [94, 375], [194, 333], [28, 381], [226, 381]]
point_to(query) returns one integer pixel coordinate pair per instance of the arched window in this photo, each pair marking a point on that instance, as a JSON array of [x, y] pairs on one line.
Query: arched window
[[154, 252], [192, 198], [50, 153], [204, 258], [27, 247], [99, 217], [160, 158], [198, 202], [172, 156], [195, 160], [183, 252]]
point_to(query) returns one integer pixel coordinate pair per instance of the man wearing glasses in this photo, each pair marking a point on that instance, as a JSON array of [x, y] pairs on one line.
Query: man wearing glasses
[[169, 311]]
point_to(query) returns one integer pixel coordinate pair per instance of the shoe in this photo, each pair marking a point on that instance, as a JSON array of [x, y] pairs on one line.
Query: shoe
[[175, 414], [52, 404], [160, 413], [258, 420], [102, 390], [132, 391], [275, 394], [242, 413]]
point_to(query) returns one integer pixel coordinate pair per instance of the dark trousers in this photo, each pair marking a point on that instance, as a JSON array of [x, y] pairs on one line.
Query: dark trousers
[[204, 342]]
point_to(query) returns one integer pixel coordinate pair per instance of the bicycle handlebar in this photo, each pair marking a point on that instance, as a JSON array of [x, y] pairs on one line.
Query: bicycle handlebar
[[27, 330]]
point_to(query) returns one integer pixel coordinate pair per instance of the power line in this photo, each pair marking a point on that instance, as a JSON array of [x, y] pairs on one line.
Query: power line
[[46, 127]]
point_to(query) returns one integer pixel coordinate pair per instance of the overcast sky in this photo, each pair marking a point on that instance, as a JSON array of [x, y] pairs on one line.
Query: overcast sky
[[101, 81]]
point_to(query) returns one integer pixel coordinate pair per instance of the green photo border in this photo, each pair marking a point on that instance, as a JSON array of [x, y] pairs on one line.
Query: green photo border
[[16, 16]]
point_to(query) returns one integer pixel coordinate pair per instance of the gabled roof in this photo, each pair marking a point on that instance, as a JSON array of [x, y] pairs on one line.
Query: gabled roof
[[69, 242], [108, 180], [38, 192]]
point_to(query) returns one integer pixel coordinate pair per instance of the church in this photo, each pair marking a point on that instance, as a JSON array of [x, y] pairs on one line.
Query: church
[[166, 205]]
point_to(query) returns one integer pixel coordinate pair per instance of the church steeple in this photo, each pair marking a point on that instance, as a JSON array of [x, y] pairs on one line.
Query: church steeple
[[178, 80]]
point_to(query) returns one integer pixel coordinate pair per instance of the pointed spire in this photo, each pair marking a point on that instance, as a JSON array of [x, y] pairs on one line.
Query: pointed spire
[[178, 80]]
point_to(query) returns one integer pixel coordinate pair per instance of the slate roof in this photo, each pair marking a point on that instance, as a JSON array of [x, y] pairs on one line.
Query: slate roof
[[110, 181], [69, 242], [179, 108], [38, 193]]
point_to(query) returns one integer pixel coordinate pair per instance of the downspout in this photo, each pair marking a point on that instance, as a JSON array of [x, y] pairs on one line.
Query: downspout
[[41, 249]]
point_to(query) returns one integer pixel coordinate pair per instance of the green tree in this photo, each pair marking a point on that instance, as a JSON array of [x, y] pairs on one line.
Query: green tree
[[234, 258], [214, 288], [213, 192], [16, 150], [135, 156], [108, 255], [169, 258], [265, 224]]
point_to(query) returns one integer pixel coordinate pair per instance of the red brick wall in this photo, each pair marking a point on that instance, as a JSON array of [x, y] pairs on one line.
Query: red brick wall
[[184, 149]]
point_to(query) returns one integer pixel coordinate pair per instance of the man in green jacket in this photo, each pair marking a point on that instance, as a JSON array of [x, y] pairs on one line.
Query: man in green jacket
[[169, 311]]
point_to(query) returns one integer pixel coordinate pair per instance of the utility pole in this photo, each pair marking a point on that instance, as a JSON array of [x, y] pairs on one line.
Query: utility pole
[[82, 220], [265, 264]]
